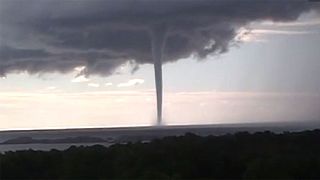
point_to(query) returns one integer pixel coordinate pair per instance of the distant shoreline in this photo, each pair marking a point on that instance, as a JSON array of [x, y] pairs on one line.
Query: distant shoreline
[[226, 125], [141, 133], [30, 140]]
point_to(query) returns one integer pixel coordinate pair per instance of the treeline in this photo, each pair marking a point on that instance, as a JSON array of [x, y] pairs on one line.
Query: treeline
[[242, 155]]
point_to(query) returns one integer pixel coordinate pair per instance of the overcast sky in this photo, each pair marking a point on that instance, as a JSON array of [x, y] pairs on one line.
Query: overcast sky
[[83, 63]]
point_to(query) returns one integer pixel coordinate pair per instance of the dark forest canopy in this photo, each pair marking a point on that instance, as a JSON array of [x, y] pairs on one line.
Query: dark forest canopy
[[242, 155]]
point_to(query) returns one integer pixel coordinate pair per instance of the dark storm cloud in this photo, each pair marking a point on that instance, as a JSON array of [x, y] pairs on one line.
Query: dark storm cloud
[[8, 53], [51, 35]]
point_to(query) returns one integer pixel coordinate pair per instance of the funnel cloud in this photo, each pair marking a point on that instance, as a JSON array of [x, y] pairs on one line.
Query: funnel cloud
[[158, 38], [39, 36]]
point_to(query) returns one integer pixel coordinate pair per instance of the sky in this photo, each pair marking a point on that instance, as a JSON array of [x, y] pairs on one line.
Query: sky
[[87, 65]]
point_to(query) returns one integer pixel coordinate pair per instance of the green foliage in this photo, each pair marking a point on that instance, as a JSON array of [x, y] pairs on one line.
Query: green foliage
[[242, 155]]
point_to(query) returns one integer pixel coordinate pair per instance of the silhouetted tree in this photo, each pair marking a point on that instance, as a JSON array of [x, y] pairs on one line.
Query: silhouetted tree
[[241, 155]]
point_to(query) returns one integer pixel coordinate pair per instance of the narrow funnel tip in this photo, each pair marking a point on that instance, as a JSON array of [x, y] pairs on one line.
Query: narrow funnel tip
[[159, 121]]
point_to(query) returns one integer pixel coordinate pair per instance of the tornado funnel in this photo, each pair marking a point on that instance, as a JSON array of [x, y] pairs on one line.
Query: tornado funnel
[[158, 38]]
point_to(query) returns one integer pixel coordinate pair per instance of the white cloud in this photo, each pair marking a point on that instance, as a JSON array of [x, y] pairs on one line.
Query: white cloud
[[256, 35], [279, 32], [132, 82], [79, 68], [108, 84], [204, 107], [245, 35], [148, 99], [81, 78], [314, 22], [119, 100], [96, 85], [51, 88]]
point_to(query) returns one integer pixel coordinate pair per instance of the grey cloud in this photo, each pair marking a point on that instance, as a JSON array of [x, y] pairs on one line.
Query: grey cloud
[[103, 34], [8, 53]]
